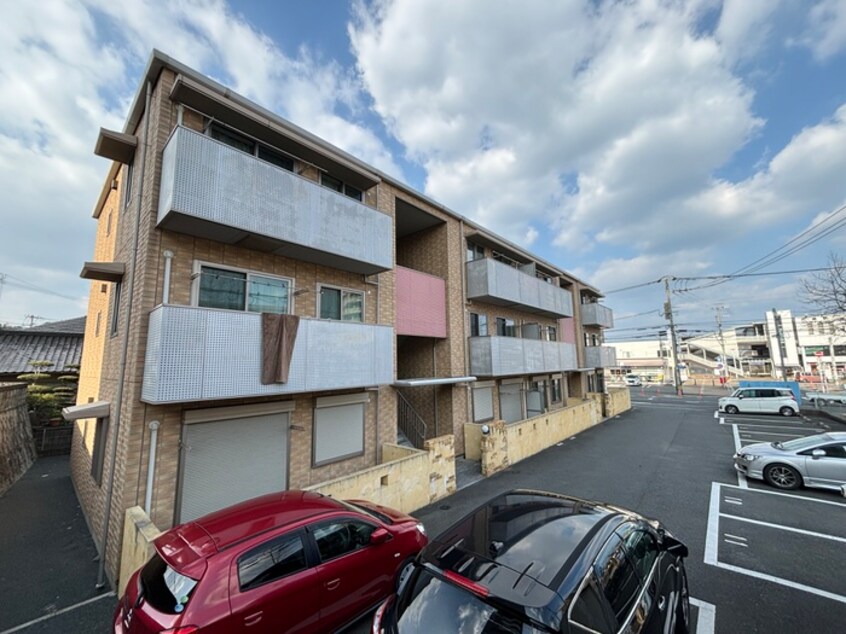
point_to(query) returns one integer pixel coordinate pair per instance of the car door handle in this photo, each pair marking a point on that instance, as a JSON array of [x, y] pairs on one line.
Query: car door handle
[[332, 585], [252, 619], [662, 601]]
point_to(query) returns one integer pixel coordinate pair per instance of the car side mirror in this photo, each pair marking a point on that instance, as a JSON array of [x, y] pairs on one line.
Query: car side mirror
[[818, 453], [843, 490], [675, 547], [379, 536], [740, 396]]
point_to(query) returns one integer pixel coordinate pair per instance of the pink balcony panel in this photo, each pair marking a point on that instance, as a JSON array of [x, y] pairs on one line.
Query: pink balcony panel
[[568, 329], [421, 304]]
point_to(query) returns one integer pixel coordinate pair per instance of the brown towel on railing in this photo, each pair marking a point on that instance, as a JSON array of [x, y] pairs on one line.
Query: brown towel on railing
[[278, 333]]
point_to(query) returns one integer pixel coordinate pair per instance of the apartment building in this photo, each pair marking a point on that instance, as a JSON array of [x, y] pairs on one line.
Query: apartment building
[[400, 318]]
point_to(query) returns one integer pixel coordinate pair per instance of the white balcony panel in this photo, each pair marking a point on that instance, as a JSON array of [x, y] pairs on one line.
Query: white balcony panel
[[600, 357], [198, 354], [497, 283], [504, 356], [597, 315], [210, 190]]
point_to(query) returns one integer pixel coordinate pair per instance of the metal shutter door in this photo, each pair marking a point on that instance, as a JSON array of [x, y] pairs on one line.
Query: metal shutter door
[[482, 403], [338, 432], [510, 403], [227, 462]]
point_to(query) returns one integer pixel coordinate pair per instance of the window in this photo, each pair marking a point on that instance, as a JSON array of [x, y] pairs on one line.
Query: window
[[273, 560], [475, 252], [551, 333], [341, 537], [617, 578], [101, 431], [115, 323], [642, 550], [556, 390], [232, 138], [109, 224], [127, 187], [338, 428], [589, 611], [478, 325], [238, 290], [811, 328], [164, 588], [587, 340], [339, 186], [341, 304], [97, 325], [505, 327], [499, 257], [594, 340], [276, 158]]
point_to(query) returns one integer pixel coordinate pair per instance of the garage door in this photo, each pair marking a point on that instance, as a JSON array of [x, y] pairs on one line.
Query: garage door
[[229, 461]]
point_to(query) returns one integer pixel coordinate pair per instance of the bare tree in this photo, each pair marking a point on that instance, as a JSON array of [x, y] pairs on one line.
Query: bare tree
[[826, 291]]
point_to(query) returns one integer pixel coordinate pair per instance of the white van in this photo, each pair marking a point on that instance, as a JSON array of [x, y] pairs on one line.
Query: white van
[[772, 400]]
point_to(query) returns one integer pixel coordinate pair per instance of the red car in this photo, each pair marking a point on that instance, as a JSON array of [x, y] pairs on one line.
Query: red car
[[286, 562]]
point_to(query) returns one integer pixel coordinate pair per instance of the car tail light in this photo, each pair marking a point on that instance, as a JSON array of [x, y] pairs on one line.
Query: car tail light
[[465, 583], [185, 629], [379, 615]]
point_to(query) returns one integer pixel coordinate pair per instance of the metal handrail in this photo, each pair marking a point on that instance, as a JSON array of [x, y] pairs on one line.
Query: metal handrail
[[410, 422]]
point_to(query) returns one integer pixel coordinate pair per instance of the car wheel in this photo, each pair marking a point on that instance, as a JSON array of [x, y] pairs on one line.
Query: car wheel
[[787, 411], [732, 409], [403, 574], [782, 476]]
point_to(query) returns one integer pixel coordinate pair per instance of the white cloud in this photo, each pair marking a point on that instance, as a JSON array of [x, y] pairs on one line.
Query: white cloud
[[826, 31], [71, 67]]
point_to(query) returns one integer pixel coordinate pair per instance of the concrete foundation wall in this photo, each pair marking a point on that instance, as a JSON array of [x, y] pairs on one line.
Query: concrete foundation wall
[[507, 444], [617, 401]]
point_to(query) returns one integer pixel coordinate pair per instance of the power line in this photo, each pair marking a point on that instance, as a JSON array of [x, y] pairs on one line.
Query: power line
[[628, 288], [29, 286]]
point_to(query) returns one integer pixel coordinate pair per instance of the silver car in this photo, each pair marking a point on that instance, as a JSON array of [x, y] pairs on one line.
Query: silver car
[[814, 461]]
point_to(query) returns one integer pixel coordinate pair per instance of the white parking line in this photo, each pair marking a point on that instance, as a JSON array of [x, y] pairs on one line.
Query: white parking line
[[706, 618], [23, 626], [789, 529], [712, 543], [770, 433], [786, 495], [737, 537]]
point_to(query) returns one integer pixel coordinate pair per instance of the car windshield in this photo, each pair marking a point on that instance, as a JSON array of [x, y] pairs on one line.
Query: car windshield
[[798, 444], [165, 589], [433, 605], [371, 512]]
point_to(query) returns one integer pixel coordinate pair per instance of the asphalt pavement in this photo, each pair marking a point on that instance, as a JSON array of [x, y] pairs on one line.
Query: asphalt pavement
[[48, 566]]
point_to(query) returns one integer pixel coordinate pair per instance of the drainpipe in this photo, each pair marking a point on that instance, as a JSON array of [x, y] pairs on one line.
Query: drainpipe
[[435, 389], [468, 388], [124, 351], [168, 256], [151, 466], [180, 109], [377, 449]]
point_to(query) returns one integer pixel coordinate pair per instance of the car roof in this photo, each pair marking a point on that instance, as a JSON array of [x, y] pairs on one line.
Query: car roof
[[184, 545], [521, 544]]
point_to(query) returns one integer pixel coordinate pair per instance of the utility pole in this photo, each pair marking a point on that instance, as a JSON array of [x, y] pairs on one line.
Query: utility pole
[[668, 313], [724, 370], [32, 319], [781, 346]]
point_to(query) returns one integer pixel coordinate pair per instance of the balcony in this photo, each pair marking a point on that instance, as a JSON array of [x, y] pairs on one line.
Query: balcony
[[597, 315], [496, 283], [600, 357], [421, 304], [210, 190], [201, 354], [503, 356]]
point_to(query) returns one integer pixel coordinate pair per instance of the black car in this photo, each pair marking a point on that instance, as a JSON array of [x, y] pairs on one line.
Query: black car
[[532, 561]]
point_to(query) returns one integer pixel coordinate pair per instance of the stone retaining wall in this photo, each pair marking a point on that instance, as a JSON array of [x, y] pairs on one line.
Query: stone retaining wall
[[17, 451]]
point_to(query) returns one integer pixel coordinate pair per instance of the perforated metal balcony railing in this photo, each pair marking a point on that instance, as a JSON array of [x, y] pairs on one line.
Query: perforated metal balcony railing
[[600, 357], [503, 356], [597, 315], [210, 190], [200, 354], [496, 283]]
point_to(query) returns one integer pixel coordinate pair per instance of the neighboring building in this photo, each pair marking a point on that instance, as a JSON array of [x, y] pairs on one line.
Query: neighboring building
[[59, 342], [812, 347], [413, 320]]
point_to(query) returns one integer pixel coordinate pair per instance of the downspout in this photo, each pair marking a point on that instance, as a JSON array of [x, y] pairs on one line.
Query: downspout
[[377, 452], [151, 466], [464, 342], [435, 388], [124, 352], [168, 256]]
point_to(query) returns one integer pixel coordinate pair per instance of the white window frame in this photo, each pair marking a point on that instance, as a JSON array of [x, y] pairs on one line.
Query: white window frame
[[196, 277], [343, 290], [331, 402]]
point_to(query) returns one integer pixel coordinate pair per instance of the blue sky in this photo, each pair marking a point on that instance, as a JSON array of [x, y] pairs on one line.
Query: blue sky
[[621, 141]]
